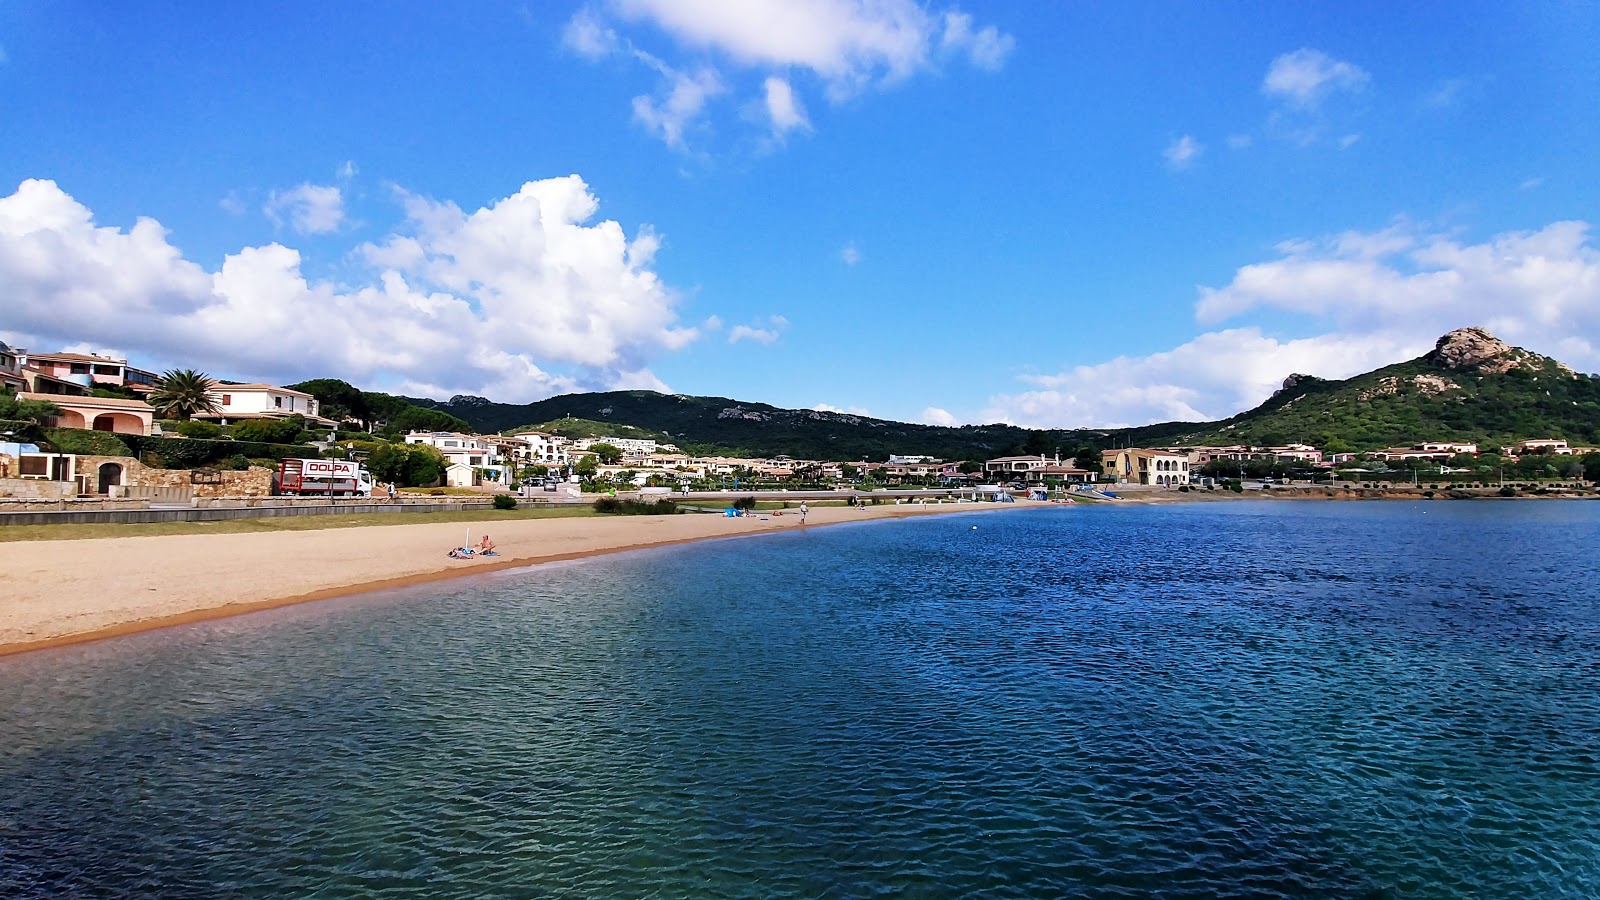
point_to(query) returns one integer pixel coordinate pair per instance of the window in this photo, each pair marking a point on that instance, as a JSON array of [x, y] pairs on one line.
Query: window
[[277, 402], [80, 369], [227, 399]]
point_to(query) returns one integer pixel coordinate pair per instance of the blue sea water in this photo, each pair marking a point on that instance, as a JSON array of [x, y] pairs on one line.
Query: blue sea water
[[1247, 699]]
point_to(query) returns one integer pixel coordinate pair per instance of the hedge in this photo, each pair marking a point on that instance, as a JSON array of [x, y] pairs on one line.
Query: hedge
[[83, 442], [21, 430], [177, 453]]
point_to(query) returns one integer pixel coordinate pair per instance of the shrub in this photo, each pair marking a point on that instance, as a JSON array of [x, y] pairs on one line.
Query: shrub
[[612, 505], [269, 431], [505, 501], [239, 462], [85, 443], [746, 503], [204, 430], [1183, 489], [1508, 491], [1427, 495]]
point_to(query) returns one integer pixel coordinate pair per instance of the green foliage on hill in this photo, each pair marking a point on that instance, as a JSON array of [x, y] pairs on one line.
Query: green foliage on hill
[[84, 442], [719, 424], [1496, 395], [1420, 400], [382, 413]]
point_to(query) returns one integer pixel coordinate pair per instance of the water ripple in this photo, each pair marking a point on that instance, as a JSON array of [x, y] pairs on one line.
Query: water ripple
[[1255, 700]]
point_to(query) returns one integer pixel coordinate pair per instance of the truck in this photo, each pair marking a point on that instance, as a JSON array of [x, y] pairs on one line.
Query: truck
[[323, 478]]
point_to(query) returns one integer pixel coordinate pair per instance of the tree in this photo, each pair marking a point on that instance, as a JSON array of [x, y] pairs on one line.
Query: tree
[[33, 411], [849, 471], [270, 431], [183, 393], [586, 466], [610, 454], [970, 467]]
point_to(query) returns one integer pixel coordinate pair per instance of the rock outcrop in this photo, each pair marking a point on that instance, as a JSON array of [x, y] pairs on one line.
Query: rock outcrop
[[1474, 348]]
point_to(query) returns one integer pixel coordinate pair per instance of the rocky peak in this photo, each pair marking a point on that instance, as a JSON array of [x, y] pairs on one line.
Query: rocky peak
[[1467, 348]]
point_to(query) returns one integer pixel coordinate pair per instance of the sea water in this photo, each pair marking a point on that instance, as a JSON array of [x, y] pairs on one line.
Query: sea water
[[1264, 699]]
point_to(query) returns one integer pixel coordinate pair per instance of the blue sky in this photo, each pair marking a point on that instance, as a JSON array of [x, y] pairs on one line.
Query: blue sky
[[1051, 214]]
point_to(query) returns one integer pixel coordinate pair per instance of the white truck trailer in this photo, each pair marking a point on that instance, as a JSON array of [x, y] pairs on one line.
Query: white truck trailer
[[323, 478]]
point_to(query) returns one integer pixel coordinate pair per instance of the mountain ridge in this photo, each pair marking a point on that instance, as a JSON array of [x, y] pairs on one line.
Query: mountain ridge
[[1472, 387]]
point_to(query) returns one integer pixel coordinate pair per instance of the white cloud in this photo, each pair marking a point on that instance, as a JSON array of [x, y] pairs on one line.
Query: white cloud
[[850, 254], [348, 170], [1348, 141], [933, 415], [685, 99], [986, 48], [1388, 294], [783, 108], [846, 410], [847, 45], [1538, 286], [1303, 78], [309, 208], [517, 300], [1239, 141], [1445, 94], [761, 331], [232, 204], [1529, 184], [589, 36], [1182, 152]]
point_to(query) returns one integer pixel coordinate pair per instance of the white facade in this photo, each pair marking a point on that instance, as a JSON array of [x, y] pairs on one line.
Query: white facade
[[471, 452], [255, 400], [543, 449]]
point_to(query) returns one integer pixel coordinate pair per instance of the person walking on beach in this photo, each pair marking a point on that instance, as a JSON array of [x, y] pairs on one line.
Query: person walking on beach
[[391, 492], [803, 511]]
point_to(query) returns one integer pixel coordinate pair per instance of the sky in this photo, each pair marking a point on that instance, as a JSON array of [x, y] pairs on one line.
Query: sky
[[1050, 214]]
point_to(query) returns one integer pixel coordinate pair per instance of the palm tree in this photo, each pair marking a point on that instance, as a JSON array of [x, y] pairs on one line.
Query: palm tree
[[181, 393]]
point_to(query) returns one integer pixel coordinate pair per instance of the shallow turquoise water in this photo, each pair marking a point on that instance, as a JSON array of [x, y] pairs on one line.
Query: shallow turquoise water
[[1242, 699]]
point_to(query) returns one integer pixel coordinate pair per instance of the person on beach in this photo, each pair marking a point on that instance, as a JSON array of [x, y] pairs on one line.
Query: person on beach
[[803, 511], [485, 546]]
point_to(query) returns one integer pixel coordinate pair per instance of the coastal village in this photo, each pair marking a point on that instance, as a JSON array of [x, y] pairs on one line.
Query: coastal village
[[103, 393]]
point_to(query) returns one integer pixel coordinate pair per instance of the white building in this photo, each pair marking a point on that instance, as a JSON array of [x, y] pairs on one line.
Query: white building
[[264, 401], [542, 449], [465, 453]]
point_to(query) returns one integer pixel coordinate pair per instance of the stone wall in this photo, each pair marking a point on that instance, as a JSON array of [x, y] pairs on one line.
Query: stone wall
[[37, 489], [255, 481]]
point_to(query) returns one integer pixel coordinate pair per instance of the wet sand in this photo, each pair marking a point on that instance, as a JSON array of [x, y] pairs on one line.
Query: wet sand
[[62, 592]]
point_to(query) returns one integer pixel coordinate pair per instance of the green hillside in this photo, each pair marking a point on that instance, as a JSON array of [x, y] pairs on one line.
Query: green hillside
[[753, 428], [1471, 387]]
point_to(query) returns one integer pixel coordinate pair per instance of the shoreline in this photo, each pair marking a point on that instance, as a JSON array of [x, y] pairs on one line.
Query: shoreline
[[49, 613]]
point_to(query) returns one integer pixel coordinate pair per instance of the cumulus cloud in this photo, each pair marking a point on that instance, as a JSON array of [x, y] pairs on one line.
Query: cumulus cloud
[[783, 108], [1306, 76], [847, 45], [520, 299], [762, 331], [1213, 376], [308, 208], [1182, 152], [850, 254], [933, 415], [1387, 295]]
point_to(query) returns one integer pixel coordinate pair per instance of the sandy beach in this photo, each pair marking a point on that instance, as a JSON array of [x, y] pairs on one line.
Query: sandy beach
[[60, 592]]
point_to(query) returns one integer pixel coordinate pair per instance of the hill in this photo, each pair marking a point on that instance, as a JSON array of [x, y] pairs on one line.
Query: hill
[[734, 426], [1471, 387]]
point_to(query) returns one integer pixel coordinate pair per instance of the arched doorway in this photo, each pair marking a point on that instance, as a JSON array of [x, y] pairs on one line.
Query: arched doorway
[[106, 422], [110, 476]]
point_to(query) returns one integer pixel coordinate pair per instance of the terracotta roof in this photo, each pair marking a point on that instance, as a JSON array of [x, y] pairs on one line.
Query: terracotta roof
[[77, 357], [111, 402]]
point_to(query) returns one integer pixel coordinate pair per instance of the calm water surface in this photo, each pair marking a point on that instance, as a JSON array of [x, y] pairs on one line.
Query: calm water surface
[[1243, 699]]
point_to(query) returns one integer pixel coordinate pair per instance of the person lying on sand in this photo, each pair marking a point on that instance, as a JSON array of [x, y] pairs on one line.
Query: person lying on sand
[[462, 553]]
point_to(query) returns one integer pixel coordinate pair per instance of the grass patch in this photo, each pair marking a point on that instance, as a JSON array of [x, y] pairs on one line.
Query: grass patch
[[440, 492], [67, 532]]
